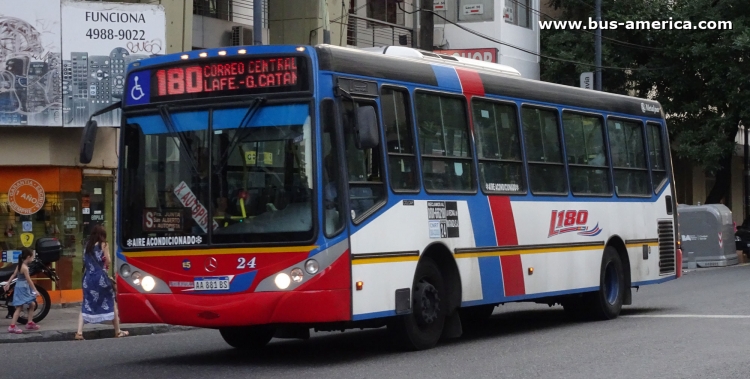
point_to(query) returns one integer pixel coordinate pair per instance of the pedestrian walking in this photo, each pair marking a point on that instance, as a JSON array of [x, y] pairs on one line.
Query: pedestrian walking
[[98, 288], [24, 295]]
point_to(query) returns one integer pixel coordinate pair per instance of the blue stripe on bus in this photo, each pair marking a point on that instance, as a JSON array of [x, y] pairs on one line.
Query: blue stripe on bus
[[528, 297], [481, 221], [183, 122], [272, 115], [492, 279], [447, 77], [655, 281], [593, 199]]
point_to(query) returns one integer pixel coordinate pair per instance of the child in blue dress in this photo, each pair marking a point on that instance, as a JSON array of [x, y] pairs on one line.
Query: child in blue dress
[[24, 295]]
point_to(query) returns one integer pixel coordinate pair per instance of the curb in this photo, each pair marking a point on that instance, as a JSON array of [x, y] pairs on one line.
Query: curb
[[91, 334]]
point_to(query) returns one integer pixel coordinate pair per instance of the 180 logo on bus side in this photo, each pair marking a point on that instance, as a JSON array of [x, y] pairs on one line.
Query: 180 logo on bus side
[[566, 221]]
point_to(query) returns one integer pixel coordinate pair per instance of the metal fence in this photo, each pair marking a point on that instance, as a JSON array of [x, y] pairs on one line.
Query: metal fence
[[368, 32]]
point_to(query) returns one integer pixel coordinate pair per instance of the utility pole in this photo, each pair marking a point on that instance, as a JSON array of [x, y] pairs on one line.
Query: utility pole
[[426, 25], [258, 22], [598, 47], [747, 174], [326, 22]]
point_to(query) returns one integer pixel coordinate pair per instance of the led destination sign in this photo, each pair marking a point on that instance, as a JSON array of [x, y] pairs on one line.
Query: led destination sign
[[244, 75]]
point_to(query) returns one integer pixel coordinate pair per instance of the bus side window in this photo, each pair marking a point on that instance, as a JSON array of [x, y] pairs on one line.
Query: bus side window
[[399, 140], [587, 155], [333, 216], [498, 147], [364, 168], [543, 153], [444, 143], [656, 155], [628, 157]]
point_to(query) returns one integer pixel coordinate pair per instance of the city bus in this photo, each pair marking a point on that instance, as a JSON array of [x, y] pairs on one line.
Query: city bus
[[270, 190]]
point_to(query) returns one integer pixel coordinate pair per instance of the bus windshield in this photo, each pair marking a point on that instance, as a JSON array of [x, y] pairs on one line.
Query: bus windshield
[[218, 176]]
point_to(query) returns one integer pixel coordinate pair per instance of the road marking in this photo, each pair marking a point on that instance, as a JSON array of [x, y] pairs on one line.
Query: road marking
[[687, 316]]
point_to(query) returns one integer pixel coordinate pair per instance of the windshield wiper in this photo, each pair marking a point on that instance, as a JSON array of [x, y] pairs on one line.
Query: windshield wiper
[[252, 110], [183, 145]]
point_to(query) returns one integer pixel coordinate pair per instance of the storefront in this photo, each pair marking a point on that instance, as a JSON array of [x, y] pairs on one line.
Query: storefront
[[59, 202]]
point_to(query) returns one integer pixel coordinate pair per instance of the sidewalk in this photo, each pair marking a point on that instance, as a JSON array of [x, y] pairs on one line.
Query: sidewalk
[[61, 324]]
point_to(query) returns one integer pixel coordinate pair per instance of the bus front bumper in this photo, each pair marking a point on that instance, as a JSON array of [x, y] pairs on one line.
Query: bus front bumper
[[241, 309]]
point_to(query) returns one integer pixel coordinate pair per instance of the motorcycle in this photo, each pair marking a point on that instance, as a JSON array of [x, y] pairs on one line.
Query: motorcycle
[[48, 251]]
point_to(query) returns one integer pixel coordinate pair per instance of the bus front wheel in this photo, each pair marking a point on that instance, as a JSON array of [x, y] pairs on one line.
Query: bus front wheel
[[422, 328], [247, 337]]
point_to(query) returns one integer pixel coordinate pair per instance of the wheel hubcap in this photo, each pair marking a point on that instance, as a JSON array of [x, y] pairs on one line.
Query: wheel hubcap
[[427, 303], [611, 284]]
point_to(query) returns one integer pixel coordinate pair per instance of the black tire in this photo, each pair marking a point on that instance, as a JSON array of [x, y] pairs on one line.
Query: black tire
[[606, 303], [247, 337], [43, 304], [422, 328]]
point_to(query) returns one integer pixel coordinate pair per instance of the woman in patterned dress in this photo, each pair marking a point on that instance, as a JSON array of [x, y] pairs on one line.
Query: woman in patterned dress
[[98, 295]]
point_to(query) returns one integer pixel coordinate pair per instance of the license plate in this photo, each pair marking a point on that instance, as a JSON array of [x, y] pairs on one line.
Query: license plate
[[218, 283]]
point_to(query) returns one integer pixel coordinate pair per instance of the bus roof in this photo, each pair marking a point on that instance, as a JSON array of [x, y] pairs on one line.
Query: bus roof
[[498, 81]]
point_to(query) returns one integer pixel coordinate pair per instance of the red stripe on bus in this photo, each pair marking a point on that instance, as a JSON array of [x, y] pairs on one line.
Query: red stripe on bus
[[470, 82], [505, 225], [512, 275]]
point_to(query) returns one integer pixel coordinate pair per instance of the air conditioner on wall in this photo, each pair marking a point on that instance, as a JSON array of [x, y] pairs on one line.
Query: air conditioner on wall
[[241, 36]]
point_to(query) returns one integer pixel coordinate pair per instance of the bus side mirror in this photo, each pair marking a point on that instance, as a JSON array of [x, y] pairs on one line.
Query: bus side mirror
[[87, 142], [366, 128]]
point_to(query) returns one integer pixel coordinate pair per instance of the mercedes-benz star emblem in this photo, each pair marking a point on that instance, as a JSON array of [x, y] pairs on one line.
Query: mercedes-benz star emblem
[[211, 264]]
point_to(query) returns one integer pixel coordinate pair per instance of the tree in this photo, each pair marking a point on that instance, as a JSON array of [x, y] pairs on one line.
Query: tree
[[701, 77]]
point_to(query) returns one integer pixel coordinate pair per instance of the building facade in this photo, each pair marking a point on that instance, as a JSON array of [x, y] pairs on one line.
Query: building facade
[[45, 98], [512, 22]]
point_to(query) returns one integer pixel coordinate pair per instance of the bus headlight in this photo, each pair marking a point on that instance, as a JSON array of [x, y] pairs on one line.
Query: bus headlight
[[297, 274], [282, 281], [125, 271], [312, 266], [137, 278], [148, 283]]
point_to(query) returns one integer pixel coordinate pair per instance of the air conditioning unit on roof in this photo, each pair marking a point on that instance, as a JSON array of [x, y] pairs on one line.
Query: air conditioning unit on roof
[[241, 36]]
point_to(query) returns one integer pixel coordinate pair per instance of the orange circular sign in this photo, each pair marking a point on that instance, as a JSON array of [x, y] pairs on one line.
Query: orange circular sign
[[26, 196]]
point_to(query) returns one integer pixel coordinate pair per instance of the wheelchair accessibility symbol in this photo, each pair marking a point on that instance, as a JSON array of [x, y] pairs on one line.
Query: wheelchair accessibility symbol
[[136, 87], [139, 84]]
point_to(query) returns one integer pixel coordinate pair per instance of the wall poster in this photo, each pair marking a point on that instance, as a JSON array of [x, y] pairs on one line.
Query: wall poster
[[62, 60]]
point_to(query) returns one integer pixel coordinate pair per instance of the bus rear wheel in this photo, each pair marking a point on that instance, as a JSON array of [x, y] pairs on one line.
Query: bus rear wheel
[[247, 337], [605, 303], [422, 328]]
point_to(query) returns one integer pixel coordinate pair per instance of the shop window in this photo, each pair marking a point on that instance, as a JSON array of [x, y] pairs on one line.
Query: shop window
[[498, 147], [518, 12], [586, 154], [385, 10], [221, 9], [444, 143]]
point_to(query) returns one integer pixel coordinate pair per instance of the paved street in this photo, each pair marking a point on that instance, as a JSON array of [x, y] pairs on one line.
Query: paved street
[[695, 327]]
